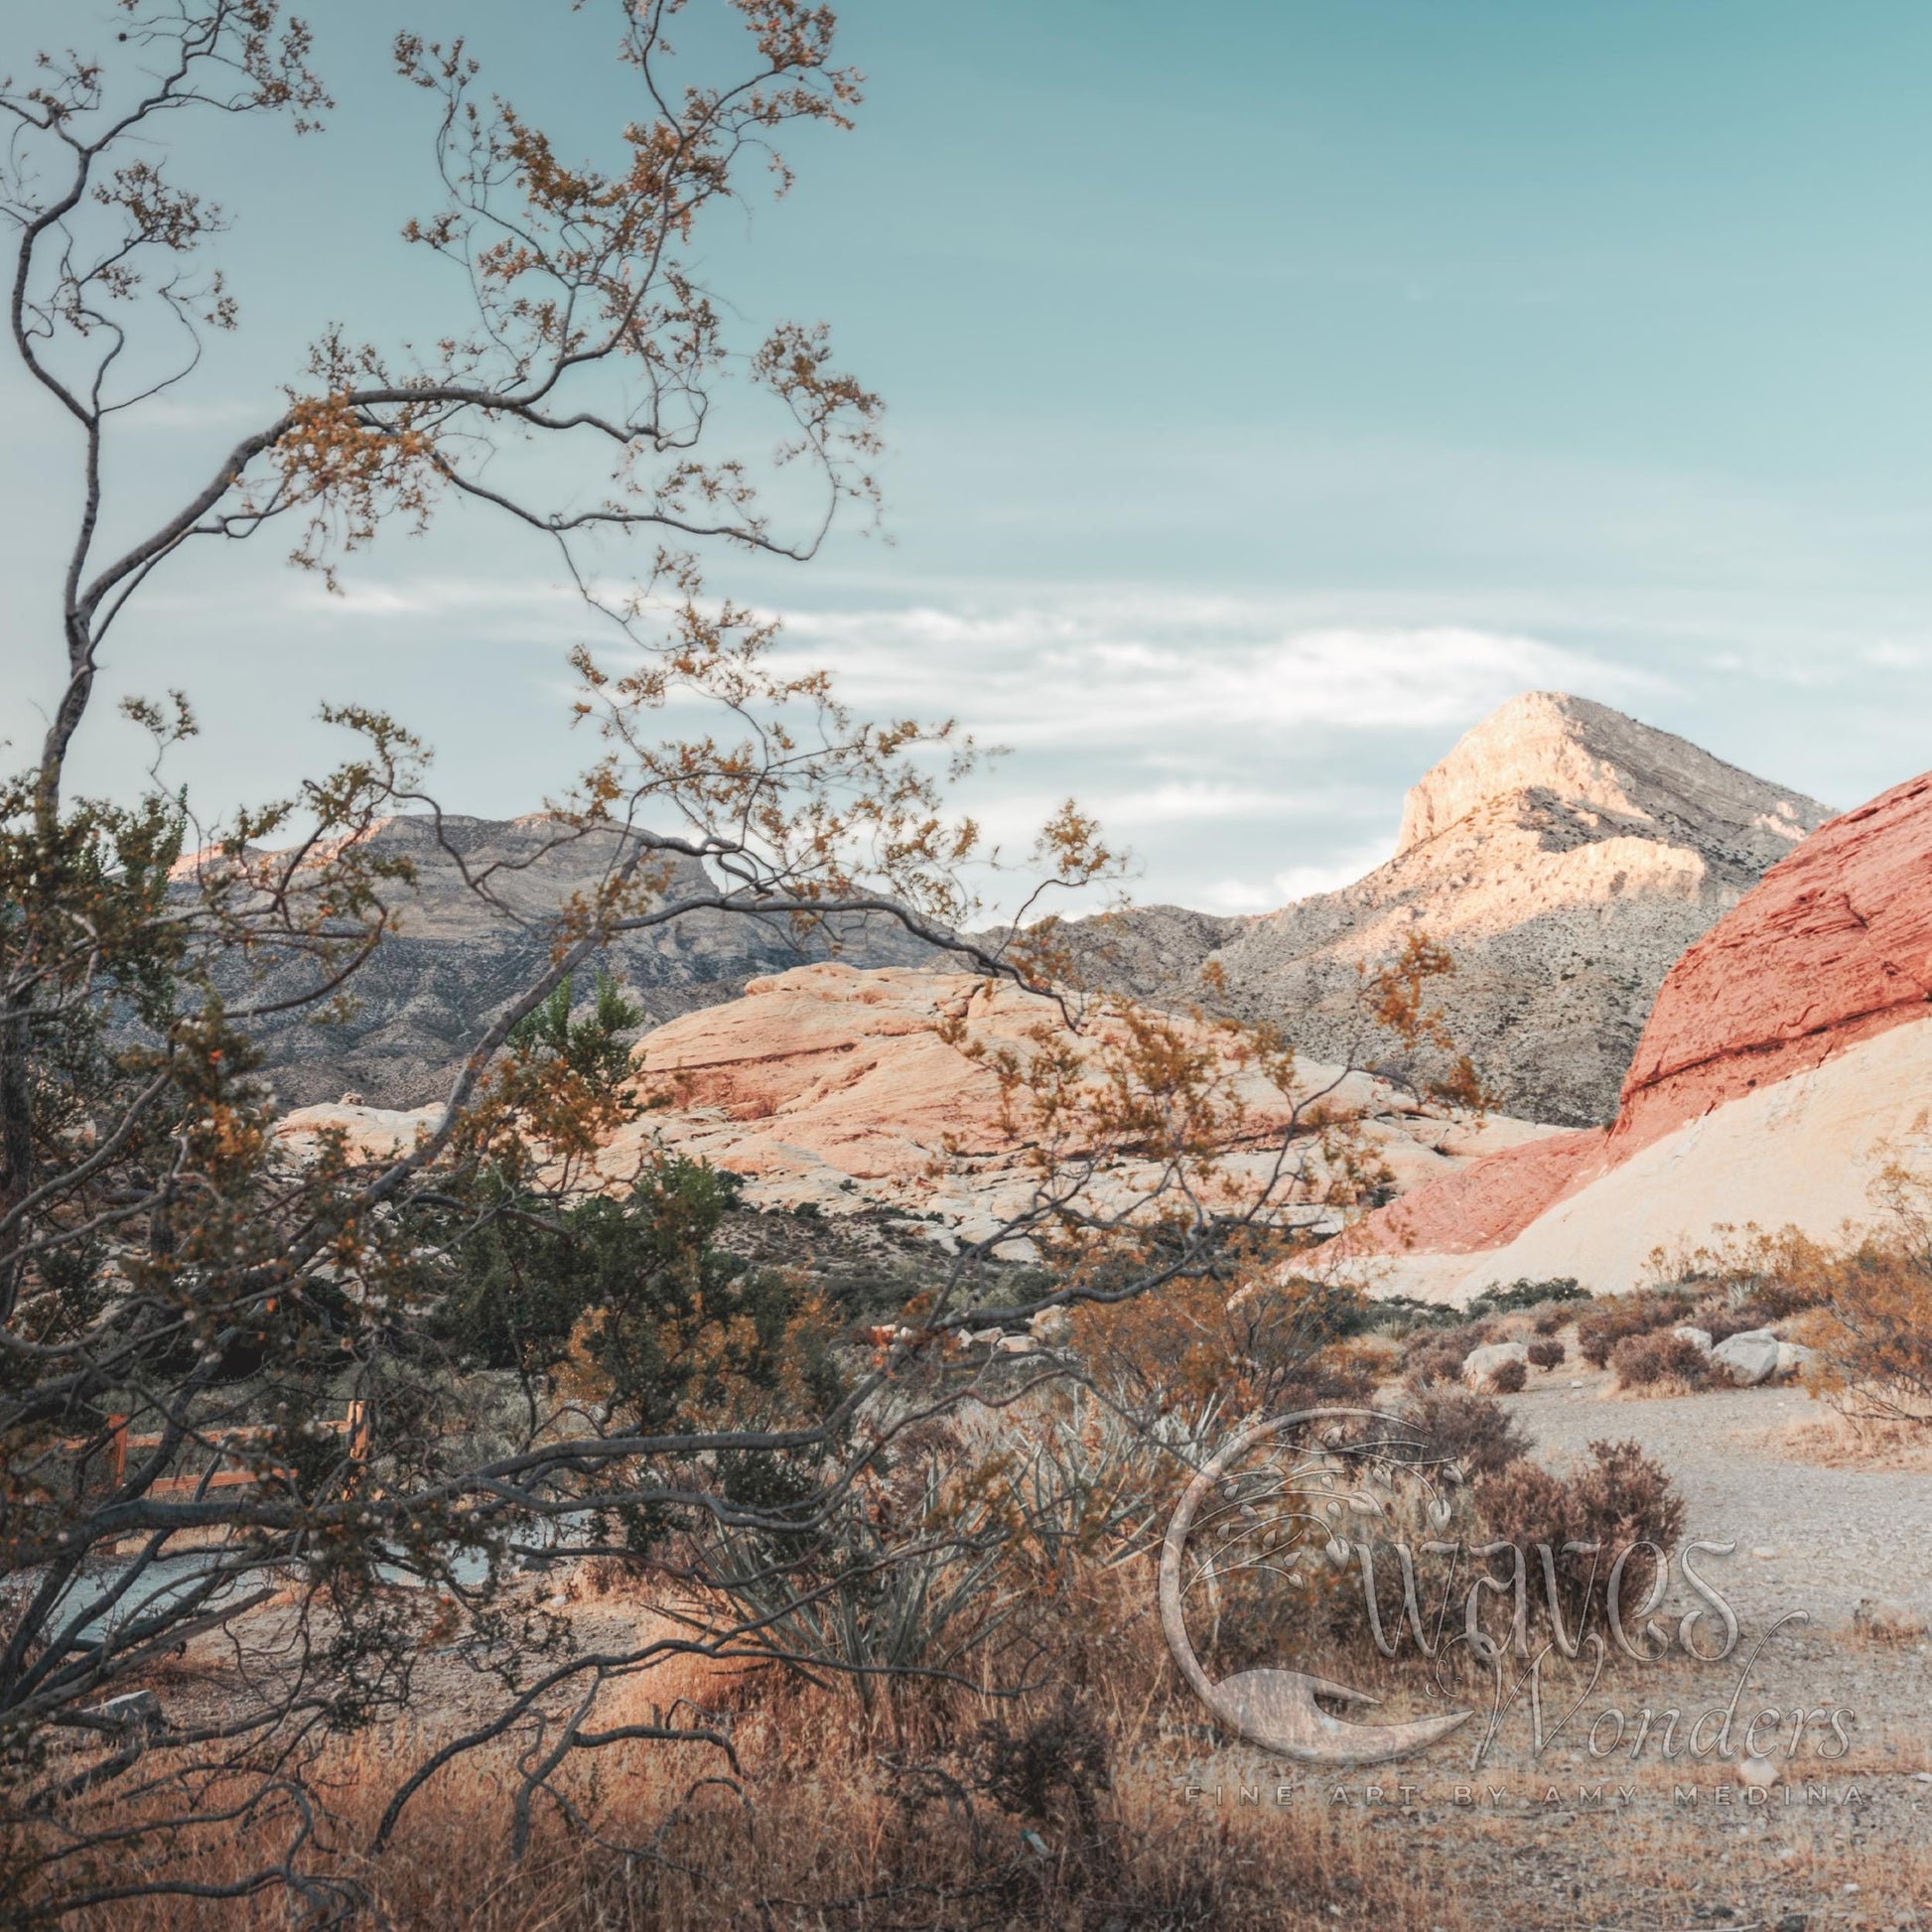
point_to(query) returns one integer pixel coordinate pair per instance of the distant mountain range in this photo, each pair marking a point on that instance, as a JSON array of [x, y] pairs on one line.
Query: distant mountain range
[[456, 957], [1567, 854], [1564, 853]]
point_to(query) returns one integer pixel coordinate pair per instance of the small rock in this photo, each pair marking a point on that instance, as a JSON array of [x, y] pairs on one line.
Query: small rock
[[1481, 1363], [1765, 1551], [1886, 1622], [133, 1711], [1759, 1773], [1752, 1357], [1794, 1922], [1792, 1357], [1053, 1326], [1700, 1336]]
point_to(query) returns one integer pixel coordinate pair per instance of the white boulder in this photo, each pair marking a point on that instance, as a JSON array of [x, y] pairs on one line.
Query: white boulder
[[1702, 1336], [1481, 1363], [1752, 1357]]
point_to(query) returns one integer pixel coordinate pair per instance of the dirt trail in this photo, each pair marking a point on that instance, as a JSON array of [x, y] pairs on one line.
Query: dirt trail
[[1808, 1537]]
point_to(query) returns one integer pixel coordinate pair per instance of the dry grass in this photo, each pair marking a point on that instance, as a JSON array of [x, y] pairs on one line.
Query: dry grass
[[1833, 1440], [836, 1821]]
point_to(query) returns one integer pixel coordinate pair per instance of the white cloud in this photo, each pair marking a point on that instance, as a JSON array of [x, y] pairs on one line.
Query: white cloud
[[1125, 673]]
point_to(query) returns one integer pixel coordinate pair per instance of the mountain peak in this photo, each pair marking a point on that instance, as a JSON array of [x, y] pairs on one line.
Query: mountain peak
[[1591, 758]]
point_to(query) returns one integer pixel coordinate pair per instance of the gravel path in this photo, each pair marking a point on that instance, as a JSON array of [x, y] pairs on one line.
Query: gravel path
[[1808, 1537]]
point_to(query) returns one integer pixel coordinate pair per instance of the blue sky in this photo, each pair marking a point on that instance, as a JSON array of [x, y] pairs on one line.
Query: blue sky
[[1275, 387]]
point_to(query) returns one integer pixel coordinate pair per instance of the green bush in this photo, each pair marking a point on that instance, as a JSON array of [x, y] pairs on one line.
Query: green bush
[[1523, 1294], [635, 1288]]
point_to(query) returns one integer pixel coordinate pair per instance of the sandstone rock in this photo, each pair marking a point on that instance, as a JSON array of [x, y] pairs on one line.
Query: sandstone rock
[[836, 1088], [1700, 1336], [835, 1085], [1565, 853], [1785, 1065], [1805, 1153], [1792, 1357], [1752, 1357], [1834, 947], [1479, 1364]]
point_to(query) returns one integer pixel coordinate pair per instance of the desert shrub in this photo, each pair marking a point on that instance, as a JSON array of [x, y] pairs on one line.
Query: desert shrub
[[1523, 1295], [1546, 1355], [1452, 1425], [1721, 1318], [1642, 1361], [1400, 1316], [1032, 1768], [1873, 1336], [1438, 1356], [1746, 1272], [1269, 1347], [1614, 1319], [1508, 1378], [1617, 1498]]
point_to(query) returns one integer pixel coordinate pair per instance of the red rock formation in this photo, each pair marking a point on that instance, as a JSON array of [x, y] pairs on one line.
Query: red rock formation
[[1486, 1203], [1832, 947]]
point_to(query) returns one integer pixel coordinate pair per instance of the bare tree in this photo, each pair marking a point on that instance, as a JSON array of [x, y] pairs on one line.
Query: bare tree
[[238, 1392]]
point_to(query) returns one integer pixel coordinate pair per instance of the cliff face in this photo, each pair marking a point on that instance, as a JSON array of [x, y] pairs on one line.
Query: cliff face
[[475, 930], [1834, 947], [1788, 1058], [1567, 854]]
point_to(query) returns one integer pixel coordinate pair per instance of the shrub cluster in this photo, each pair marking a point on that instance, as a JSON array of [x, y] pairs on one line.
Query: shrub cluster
[[1452, 1425], [1546, 1355], [1642, 1361], [1617, 1498], [1523, 1296], [1616, 1316], [1439, 1355]]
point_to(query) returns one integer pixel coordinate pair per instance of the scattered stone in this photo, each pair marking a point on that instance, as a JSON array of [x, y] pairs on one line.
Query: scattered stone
[[1881, 1622], [133, 1711], [1752, 1357], [1481, 1363]]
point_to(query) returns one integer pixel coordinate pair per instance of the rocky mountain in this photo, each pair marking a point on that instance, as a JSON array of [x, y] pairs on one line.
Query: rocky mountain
[[1565, 854], [1787, 1062], [475, 929]]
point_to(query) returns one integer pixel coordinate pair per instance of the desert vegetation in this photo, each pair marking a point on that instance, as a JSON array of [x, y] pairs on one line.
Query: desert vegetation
[[368, 1499], [482, 1527]]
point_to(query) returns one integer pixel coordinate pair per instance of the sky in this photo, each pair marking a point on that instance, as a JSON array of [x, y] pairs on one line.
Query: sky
[[1273, 388]]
